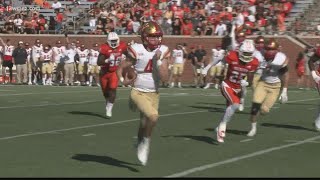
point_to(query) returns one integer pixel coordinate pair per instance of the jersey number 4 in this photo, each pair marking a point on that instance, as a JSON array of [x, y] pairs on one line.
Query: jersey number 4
[[148, 68]]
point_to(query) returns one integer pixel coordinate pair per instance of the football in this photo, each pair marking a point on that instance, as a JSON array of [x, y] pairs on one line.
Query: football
[[130, 72]]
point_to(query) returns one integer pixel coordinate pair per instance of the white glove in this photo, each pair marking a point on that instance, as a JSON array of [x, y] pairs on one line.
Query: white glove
[[315, 76], [106, 60], [204, 71], [244, 83], [284, 96]]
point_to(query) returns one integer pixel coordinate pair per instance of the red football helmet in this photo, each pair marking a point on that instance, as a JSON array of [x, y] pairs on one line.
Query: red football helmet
[[259, 41], [151, 35], [271, 48]]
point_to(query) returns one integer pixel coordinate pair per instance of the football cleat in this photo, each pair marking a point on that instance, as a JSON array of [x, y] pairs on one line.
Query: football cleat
[[143, 151], [241, 105], [207, 86], [221, 133], [252, 132], [108, 113]]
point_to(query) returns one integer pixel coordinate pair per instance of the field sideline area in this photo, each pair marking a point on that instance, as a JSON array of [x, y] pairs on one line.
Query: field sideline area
[[62, 132]]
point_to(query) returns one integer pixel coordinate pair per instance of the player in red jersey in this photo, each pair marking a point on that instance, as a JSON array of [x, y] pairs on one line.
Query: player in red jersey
[[241, 63], [110, 56]]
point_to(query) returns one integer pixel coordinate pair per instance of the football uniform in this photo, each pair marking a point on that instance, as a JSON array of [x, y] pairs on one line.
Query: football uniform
[[257, 54], [29, 50], [144, 93], [217, 69], [83, 60], [93, 59], [46, 63], [58, 55], [268, 88], [237, 71], [7, 56], [108, 76], [178, 65], [36, 53]]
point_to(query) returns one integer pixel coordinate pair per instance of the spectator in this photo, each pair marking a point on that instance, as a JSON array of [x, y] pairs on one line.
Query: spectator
[[187, 27], [92, 22], [176, 27], [208, 29], [221, 29], [300, 69], [18, 24], [58, 20], [99, 27], [20, 60], [28, 26], [42, 24], [56, 5]]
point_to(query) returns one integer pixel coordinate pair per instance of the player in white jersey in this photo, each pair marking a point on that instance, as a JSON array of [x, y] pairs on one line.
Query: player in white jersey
[[7, 59], [259, 43], [83, 54], [150, 60], [58, 63], [313, 63], [216, 70], [178, 64], [274, 76], [1, 56], [29, 63], [93, 68], [46, 58], [37, 48]]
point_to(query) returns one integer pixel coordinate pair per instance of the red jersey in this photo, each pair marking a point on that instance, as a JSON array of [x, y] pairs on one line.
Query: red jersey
[[115, 54], [237, 70]]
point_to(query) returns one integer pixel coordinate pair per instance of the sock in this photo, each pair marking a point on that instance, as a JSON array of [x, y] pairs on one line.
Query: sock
[[179, 83], [254, 125], [30, 77], [44, 80], [109, 106], [172, 84], [317, 121], [231, 109], [49, 80], [90, 79]]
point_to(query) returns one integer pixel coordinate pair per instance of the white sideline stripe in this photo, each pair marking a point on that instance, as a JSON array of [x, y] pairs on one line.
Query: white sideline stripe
[[6, 90], [58, 92], [238, 158], [91, 134], [246, 140], [94, 125], [290, 141]]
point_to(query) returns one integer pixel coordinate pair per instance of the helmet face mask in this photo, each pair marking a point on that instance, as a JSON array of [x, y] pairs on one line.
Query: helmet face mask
[[113, 40], [246, 51]]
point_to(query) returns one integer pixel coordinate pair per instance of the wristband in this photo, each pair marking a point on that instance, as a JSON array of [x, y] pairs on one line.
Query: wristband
[[121, 79]]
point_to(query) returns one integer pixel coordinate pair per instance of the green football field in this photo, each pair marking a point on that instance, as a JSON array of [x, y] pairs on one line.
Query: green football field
[[62, 132]]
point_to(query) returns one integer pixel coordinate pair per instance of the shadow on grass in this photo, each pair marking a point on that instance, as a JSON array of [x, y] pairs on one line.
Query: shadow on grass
[[105, 160], [287, 126], [87, 114], [210, 109], [231, 131], [205, 139]]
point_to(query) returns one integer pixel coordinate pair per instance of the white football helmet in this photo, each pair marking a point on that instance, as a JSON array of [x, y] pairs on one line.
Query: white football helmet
[[246, 50], [113, 40]]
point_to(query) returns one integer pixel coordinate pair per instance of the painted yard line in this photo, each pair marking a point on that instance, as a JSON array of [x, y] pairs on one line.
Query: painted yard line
[[246, 140], [84, 102], [292, 141], [90, 134], [238, 158], [58, 92], [6, 90], [94, 125]]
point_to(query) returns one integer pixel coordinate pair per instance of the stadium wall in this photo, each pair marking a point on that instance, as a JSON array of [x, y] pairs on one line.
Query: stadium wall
[[290, 46]]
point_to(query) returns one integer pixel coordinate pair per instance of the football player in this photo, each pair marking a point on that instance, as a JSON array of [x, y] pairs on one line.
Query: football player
[[7, 59], [93, 68], [259, 42], [150, 62], [241, 64], [314, 59], [29, 62], [58, 53], [178, 64], [215, 71], [83, 54], [37, 48], [274, 76], [46, 67], [110, 56]]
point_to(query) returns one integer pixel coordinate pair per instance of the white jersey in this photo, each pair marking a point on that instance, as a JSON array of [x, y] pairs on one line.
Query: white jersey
[[218, 54], [270, 73], [36, 52], [93, 59], [70, 53], [58, 53], [257, 54], [145, 81], [46, 56], [83, 56], [29, 54], [177, 55], [8, 50]]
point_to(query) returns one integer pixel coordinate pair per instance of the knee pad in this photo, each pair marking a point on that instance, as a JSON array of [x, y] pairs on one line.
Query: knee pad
[[255, 108]]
